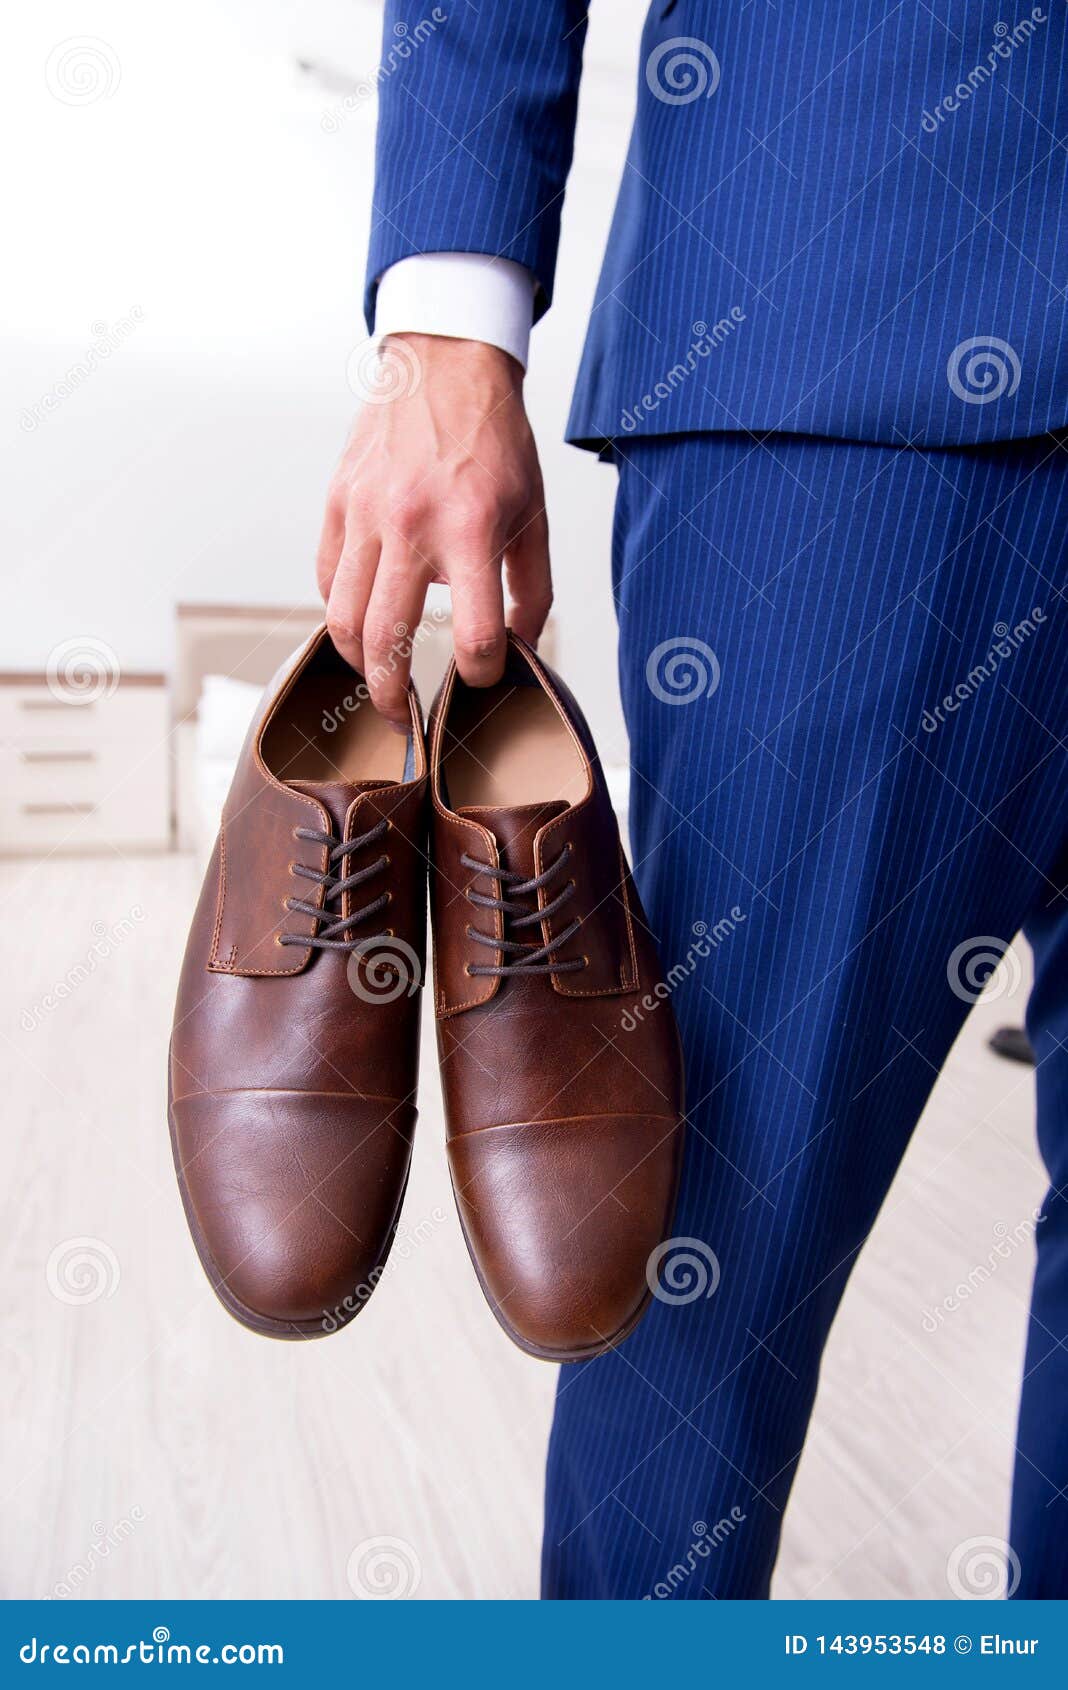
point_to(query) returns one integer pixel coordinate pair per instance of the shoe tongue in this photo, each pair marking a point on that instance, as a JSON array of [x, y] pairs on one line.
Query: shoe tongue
[[336, 796], [514, 827]]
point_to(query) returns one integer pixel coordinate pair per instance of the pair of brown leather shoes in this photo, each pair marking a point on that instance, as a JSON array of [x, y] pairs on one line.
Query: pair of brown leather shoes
[[294, 1054]]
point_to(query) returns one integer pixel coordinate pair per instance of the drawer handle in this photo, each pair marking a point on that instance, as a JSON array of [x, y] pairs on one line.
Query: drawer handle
[[53, 704], [57, 809], [58, 756]]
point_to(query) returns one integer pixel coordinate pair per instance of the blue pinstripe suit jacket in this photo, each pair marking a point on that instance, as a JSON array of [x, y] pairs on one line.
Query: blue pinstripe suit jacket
[[841, 218]]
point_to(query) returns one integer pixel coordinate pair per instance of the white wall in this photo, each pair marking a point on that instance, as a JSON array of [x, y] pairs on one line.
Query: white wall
[[205, 194]]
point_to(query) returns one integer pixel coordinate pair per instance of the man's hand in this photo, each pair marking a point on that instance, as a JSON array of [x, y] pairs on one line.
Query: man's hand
[[442, 483]]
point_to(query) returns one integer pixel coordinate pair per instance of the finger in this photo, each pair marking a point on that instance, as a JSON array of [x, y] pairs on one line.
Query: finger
[[350, 594], [529, 576], [331, 545], [393, 614], [478, 619]]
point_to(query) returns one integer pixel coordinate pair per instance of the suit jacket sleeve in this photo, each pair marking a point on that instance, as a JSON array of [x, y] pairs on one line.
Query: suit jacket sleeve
[[476, 123]]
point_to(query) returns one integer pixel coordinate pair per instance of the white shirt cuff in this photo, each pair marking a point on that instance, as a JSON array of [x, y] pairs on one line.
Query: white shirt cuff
[[467, 295]]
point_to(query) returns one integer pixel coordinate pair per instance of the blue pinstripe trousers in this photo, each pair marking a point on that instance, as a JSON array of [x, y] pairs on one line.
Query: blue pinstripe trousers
[[856, 785]]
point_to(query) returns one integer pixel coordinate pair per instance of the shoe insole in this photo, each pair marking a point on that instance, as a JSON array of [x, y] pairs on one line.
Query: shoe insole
[[326, 730], [508, 745]]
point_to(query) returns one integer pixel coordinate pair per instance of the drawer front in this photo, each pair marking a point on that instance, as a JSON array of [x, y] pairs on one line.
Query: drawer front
[[71, 831], [83, 771], [83, 802], [28, 714]]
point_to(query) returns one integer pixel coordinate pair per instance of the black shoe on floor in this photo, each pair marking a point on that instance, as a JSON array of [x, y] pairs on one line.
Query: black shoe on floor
[[1013, 1043]]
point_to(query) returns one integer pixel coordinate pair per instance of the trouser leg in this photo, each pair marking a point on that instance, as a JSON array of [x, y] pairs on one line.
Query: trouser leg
[[1039, 1532], [843, 837]]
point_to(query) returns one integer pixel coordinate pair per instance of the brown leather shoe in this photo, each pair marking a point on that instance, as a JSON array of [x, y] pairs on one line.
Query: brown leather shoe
[[564, 1130], [295, 1044]]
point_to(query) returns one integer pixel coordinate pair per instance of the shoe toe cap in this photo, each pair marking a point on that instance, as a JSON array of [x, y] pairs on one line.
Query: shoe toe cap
[[561, 1218], [292, 1199]]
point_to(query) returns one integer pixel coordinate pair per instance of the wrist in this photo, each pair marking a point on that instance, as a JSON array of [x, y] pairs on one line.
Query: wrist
[[451, 352]]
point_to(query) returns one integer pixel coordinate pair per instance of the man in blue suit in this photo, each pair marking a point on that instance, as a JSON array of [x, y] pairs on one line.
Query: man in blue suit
[[829, 359]]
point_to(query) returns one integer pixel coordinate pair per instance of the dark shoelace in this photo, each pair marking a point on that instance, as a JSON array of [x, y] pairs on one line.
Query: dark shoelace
[[335, 886], [526, 959]]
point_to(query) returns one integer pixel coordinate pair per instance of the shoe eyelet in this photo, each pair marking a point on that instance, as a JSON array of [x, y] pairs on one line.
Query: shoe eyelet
[[467, 970], [388, 897]]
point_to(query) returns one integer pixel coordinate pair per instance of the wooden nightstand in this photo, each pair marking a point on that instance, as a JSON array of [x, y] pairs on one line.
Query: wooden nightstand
[[81, 772]]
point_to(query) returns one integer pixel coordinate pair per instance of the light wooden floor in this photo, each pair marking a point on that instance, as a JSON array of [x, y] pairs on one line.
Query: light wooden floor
[[163, 1451]]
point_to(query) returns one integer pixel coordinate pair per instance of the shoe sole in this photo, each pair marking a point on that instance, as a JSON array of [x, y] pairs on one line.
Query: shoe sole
[[297, 1331]]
